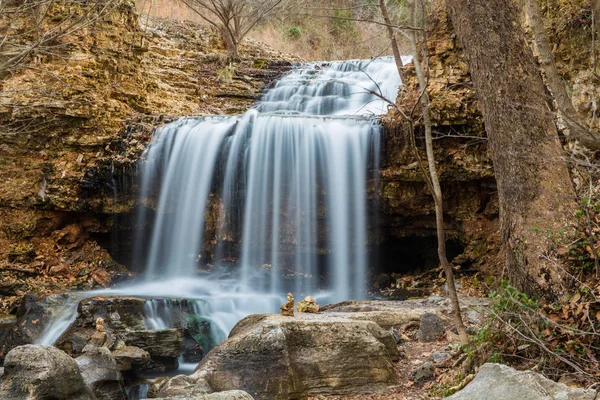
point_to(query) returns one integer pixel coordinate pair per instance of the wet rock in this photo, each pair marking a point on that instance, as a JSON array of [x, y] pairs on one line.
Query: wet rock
[[431, 328], [37, 372], [7, 322], [500, 382], [164, 347], [228, 395], [33, 315], [114, 314], [423, 373], [276, 357], [130, 357], [308, 305], [100, 372], [191, 351], [197, 338]]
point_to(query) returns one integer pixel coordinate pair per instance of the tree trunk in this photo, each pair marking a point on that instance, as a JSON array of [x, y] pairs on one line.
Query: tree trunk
[[391, 34], [577, 129], [596, 10], [534, 188], [433, 175], [232, 44]]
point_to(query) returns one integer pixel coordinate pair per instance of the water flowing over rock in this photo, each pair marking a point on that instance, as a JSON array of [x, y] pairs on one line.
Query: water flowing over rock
[[285, 183]]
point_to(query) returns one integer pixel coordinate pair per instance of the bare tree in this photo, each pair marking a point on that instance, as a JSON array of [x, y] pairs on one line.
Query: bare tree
[[40, 28], [233, 18], [576, 128], [416, 20], [391, 33]]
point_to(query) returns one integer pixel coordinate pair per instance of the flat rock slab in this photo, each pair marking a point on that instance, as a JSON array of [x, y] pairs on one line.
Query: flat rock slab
[[275, 357], [400, 314], [228, 395], [500, 382]]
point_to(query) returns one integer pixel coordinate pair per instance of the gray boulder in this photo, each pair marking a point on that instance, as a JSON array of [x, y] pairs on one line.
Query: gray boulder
[[500, 382], [36, 372], [100, 372], [424, 373], [431, 328], [276, 357]]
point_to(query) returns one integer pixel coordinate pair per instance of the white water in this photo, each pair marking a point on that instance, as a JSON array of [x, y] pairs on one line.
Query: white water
[[289, 180]]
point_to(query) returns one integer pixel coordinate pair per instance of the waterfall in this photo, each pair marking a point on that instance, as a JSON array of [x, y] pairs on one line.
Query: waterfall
[[278, 195], [287, 181]]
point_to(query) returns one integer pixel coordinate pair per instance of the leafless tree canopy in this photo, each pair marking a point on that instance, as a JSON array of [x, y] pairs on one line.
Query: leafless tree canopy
[[234, 18], [30, 28]]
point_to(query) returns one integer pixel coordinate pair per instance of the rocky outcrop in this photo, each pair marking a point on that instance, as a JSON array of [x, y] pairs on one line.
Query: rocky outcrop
[[73, 126], [500, 382], [278, 357], [100, 372], [117, 323], [38, 372]]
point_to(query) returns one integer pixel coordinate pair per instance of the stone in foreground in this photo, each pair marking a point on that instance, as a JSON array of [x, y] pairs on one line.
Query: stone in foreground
[[229, 395], [275, 357], [500, 382], [100, 372], [36, 372]]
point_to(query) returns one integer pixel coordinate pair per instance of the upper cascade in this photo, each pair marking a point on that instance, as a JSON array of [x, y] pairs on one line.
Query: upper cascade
[[354, 87]]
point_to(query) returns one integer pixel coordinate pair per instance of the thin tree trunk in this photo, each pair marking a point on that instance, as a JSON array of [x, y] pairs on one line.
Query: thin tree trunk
[[534, 187], [596, 10], [577, 129], [433, 175], [232, 46], [391, 34]]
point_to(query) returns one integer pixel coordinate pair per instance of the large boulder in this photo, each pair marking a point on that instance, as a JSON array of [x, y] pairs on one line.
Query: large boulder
[[36, 372], [100, 372], [500, 382], [276, 357]]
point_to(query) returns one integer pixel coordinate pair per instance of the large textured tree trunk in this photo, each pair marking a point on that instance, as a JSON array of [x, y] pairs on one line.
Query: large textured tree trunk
[[577, 129], [535, 191]]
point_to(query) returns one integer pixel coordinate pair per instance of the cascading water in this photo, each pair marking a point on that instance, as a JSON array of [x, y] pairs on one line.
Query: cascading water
[[281, 190], [290, 175]]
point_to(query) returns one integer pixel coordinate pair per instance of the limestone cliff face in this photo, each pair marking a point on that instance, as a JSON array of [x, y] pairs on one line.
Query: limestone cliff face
[[73, 125], [464, 165]]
